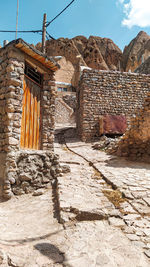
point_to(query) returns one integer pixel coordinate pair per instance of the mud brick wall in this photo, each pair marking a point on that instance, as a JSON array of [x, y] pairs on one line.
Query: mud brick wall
[[135, 143], [108, 92]]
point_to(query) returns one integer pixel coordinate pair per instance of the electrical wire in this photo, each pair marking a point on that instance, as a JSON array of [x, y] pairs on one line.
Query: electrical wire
[[40, 31], [36, 31], [49, 36], [48, 23]]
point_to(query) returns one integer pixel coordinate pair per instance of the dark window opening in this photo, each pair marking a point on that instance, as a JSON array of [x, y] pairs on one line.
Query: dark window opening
[[33, 74], [62, 89], [73, 89]]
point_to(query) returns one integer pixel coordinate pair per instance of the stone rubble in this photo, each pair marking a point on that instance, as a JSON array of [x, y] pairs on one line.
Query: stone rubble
[[106, 143]]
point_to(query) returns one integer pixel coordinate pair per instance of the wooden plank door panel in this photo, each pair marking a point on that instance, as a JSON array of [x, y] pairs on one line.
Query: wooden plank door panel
[[35, 141], [27, 125], [31, 119], [23, 122], [30, 126], [38, 121]]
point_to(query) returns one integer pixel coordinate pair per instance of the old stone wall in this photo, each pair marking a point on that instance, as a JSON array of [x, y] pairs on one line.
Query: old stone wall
[[11, 96], [11, 92], [107, 92], [48, 111], [64, 113], [11, 86], [2, 102], [2, 171], [135, 143], [70, 100], [65, 105], [32, 170]]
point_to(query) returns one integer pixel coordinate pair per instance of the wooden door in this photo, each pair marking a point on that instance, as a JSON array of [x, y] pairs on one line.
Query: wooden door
[[30, 125]]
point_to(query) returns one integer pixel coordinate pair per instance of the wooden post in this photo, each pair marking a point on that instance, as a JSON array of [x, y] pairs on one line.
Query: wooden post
[[44, 33], [17, 18]]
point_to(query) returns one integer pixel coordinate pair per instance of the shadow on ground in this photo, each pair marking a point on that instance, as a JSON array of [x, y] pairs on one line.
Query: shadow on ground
[[124, 163], [52, 252]]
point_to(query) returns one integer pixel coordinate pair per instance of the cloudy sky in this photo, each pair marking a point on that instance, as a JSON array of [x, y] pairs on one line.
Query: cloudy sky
[[120, 20], [136, 13]]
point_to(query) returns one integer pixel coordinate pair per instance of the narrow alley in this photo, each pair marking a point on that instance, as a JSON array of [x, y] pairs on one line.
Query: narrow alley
[[96, 213]]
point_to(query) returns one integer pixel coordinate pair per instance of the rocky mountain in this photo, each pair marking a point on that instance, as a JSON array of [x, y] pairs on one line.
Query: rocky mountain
[[144, 67], [136, 52], [101, 53], [94, 52]]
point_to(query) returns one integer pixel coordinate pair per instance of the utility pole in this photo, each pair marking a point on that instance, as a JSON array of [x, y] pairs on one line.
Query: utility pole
[[44, 33], [17, 18]]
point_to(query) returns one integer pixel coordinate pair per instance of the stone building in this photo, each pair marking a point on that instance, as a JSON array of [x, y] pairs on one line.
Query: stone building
[[106, 94], [27, 115]]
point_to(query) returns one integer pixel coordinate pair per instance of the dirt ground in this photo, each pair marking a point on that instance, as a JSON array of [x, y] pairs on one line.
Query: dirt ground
[[91, 232]]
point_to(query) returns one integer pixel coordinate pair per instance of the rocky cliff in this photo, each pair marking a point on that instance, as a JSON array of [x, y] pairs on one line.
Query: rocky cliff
[[144, 67], [101, 53], [94, 52], [136, 52]]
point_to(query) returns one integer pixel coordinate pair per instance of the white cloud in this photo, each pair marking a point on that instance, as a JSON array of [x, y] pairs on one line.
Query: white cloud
[[137, 13], [121, 1]]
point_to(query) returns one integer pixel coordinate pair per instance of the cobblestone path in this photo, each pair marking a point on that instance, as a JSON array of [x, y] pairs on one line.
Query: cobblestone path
[[82, 221], [132, 180]]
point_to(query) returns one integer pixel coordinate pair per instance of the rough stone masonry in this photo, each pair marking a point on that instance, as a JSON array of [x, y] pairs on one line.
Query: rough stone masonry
[[108, 92], [17, 174], [135, 143]]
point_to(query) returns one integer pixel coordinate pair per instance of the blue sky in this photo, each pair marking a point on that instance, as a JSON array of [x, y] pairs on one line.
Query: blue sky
[[119, 20]]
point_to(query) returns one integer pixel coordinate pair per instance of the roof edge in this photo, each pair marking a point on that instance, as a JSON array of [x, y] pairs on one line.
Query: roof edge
[[31, 51]]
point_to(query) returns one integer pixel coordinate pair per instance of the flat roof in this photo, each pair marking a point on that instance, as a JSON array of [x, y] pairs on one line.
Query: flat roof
[[48, 62]]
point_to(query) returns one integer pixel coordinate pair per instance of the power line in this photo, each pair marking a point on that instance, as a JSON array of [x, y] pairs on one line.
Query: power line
[[49, 36], [33, 31], [48, 23], [38, 31]]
